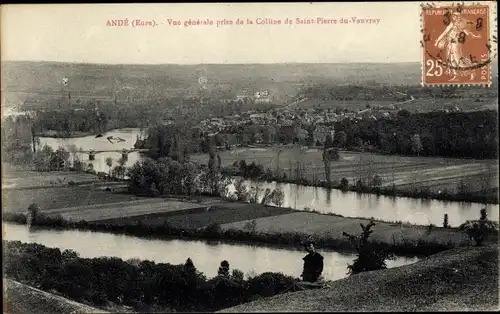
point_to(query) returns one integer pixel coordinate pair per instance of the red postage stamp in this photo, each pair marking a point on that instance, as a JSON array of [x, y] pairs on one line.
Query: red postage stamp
[[456, 43]]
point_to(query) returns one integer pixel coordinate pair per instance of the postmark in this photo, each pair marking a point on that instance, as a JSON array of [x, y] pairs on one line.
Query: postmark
[[456, 45]]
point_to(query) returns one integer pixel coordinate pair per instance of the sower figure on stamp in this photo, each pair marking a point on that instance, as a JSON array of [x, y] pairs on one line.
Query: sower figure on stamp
[[452, 40], [313, 263]]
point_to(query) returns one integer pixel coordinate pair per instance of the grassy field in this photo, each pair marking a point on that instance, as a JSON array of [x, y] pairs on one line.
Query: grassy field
[[461, 279], [328, 226], [123, 209], [14, 200], [198, 217], [407, 172], [32, 179]]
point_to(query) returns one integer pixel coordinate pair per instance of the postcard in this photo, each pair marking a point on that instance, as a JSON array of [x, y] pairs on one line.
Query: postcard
[[242, 157]]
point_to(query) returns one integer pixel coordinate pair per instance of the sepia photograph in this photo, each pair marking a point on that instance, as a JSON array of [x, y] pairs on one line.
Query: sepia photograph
[[249, 157]]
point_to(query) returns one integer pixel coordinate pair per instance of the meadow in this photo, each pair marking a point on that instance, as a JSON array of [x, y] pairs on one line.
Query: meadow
[[405, 172], [200, 217], [331, 227]]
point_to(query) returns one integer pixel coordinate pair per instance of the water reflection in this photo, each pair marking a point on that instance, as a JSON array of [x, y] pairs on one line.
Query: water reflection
[[206, 256], [421, 211], [351, 204]]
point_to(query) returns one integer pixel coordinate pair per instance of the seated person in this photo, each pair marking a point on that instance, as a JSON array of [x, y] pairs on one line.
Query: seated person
[[313, 264]]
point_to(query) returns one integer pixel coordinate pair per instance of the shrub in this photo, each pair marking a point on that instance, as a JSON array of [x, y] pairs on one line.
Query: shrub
[[241, 190], [430, 228], [213, 230], [479, 230], [445, 221], [359, 185], [237, 275], [369, 256], [278, 197], [377, 181], [344, 184], [224, 269], [250, 226], [268, 284], [267, 197]]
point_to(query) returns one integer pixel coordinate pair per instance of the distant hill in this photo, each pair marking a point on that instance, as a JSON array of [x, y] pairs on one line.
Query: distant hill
[[105, 80], [25, 80]]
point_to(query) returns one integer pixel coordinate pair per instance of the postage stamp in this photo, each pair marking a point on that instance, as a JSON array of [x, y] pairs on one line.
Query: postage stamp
[[457, 48]]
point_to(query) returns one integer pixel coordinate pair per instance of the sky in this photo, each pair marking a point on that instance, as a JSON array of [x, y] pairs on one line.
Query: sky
[[78, 33]]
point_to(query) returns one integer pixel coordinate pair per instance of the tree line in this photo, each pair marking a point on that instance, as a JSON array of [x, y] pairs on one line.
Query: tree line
[[143, 285], [458, 134]]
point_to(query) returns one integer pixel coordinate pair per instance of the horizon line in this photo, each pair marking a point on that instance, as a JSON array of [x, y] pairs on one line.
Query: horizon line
[[194, 64]]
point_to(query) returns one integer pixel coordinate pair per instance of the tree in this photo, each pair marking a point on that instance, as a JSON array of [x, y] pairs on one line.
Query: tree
[[377, 181], [254, 193], [328, 142], [42, 158], [73, 150], [241, 190], [59, 159], [445, 221], [344, 183], [224, 269], [33, 213], [120, 170], [369, 257], [341, 138], [278, 197], [329, 154], [109, 163], [267, 197], [237, 275], [479, 230], [416, 144], [243, 167]]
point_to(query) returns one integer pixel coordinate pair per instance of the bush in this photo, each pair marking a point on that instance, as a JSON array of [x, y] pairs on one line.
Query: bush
[[237, 275], [377, 181], [268, 284], [480, 230], [359, 185], [250, 226], [213, 230], [344, 184], [445, 221], [138, 283], [369, 256]]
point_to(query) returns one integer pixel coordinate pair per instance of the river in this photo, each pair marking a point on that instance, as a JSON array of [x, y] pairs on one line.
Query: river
[[349, 204], [206, 256]]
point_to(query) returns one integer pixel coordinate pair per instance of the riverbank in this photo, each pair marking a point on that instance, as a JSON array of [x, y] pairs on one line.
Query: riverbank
[[462, 279], [102, 209], [72, 134], [439, 178], [286, 228], [409, 191]]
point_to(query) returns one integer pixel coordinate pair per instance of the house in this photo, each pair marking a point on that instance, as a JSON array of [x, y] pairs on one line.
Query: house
[[258, 118], [262, 100]]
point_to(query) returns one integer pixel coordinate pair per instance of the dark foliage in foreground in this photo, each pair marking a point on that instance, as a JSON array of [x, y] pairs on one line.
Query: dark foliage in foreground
[[137, 284], [369, 258]]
